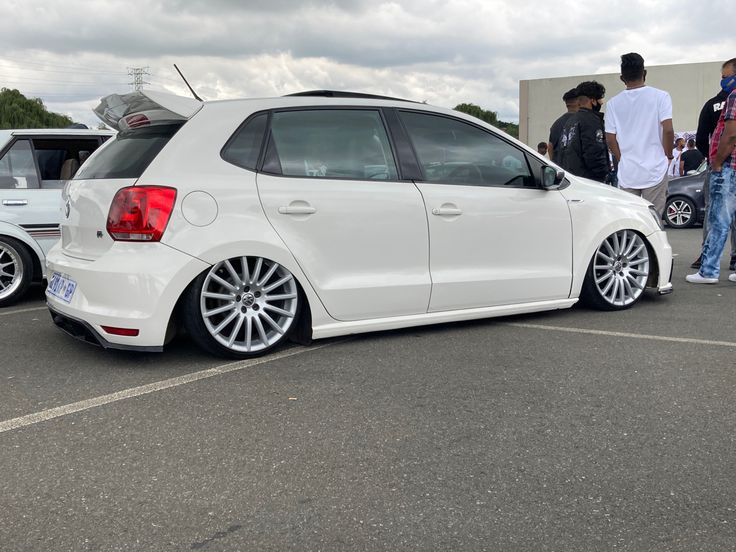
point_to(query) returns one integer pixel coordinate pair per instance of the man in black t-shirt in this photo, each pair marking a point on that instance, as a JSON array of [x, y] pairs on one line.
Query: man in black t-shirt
[[554, 148], [691, 158]]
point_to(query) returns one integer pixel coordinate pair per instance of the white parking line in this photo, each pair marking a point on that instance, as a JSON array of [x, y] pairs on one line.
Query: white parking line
[[51, 413], [8, 313], [623, 334]]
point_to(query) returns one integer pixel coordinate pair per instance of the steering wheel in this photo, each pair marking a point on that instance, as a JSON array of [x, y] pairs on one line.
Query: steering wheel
[[466, 173]]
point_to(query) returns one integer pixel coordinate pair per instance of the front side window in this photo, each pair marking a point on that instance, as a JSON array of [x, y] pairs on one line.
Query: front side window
[[454, 152], [17, 168], [330, 143]]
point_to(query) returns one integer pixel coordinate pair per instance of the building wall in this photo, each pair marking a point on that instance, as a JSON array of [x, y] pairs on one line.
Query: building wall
[[690, 85]]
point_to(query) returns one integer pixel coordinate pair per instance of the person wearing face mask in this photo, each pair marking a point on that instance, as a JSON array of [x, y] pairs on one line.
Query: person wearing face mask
[[722, 184], [584, 150], [640, 134], [707, 123]]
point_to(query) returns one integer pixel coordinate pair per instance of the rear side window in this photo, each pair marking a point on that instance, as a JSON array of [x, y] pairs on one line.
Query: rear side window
[[244, 147], [129, 153], [327, 143], [59, 159]]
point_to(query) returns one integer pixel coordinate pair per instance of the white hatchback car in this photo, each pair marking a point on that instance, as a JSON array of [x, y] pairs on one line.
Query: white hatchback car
[[323, 214], [34, 164]]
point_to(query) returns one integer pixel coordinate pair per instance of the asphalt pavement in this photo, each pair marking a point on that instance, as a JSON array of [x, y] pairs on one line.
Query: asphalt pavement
[[563, 431]]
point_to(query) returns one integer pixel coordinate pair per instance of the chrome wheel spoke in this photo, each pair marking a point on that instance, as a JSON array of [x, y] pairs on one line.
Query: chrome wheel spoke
[[225, 322], [270, 321], [277, 310], [261, 330], [231, 270], [221, 296], [256, 271], [223, 283], [278, 283], [268, 275], [220, 310], [234, 334], [280, 297]]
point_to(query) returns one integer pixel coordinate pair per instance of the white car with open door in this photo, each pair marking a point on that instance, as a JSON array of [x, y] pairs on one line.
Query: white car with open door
[[250, 222], [34, 164]]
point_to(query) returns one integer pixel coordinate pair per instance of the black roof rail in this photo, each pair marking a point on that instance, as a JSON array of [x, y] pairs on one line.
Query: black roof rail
[[345, 94]]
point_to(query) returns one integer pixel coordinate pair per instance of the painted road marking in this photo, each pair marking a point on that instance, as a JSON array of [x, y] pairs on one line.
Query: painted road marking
[[8, 313], [87, 404], [623, 334]]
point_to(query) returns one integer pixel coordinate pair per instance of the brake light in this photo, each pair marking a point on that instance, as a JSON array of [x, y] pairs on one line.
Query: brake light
[[135, 121], [140, 213]]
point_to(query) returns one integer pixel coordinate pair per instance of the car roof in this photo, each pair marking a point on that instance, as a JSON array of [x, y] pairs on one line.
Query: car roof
[[58, 132]]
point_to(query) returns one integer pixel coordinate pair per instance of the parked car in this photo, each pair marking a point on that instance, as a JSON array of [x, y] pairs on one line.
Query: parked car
[[34, 164], [252, 221], [686, 199]]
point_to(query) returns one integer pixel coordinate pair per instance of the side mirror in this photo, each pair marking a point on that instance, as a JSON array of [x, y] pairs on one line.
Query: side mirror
[[551, 177]]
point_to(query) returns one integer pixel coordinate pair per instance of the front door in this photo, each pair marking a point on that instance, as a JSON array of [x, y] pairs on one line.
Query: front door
[[496, 237]]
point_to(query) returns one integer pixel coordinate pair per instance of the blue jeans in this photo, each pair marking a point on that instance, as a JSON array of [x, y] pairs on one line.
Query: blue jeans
[[720, 215]]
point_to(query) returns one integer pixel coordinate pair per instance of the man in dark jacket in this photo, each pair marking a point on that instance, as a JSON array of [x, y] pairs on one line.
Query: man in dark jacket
[[555, 132], [707, 122], [584, 149]]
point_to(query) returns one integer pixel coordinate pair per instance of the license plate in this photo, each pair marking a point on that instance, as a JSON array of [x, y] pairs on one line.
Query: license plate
[[62, 287]]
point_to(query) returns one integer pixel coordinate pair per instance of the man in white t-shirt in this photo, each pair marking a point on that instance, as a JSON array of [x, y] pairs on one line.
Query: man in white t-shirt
[[674, 169], [640, 134]]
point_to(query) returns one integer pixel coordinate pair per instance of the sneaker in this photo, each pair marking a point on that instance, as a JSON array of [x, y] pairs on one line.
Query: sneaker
[[696, 262], [732, 277], [698, 279]]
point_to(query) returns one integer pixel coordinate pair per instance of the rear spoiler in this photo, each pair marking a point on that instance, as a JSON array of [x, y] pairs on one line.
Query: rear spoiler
[[145, 108]]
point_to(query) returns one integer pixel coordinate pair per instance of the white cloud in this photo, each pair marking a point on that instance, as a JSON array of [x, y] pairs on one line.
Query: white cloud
[[449, 52]]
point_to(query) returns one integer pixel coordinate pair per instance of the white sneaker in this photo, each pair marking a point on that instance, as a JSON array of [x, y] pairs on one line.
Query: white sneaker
[[698, 279], [732, 277]]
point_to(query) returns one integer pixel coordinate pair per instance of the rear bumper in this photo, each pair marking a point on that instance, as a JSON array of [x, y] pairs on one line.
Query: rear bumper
[[81, 330], [133, 285]]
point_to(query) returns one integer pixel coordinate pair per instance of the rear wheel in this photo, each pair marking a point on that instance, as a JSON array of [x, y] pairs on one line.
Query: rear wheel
[[242, 307], [16, 270], [680, 212], [617, 273]]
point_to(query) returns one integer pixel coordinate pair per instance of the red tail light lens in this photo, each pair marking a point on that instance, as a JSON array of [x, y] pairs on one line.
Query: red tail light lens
[[140, 213], [135, 121]]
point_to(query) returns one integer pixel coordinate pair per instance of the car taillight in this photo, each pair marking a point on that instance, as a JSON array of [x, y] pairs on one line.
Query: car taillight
[[140, 213], [135, 121]]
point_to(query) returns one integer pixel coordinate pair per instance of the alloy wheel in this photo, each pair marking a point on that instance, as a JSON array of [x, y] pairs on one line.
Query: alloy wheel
[[679, 212], [248, 304], [621, 268], [11, 270]]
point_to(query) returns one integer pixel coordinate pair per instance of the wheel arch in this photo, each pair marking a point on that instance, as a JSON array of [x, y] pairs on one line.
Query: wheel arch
[[312, 308]]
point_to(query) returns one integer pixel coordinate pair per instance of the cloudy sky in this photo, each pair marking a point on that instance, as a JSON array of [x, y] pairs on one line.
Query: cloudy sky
[[73, 52]]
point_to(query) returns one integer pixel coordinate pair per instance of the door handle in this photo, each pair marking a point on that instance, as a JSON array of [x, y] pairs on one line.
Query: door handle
[[15, 202], [297, 210], [447, 211]]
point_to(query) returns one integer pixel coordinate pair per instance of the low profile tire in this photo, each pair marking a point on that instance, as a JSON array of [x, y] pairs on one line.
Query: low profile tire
[[16, 270], [679, 212], [618, 272], [242, 307]]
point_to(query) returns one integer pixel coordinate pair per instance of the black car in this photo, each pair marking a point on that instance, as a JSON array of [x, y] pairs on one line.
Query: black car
[[686, 200]]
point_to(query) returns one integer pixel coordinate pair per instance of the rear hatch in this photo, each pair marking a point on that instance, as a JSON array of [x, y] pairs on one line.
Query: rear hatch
[[146, 121]]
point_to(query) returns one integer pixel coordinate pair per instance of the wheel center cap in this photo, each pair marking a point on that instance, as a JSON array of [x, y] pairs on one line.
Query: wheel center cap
[[249, 299], [618, 266]]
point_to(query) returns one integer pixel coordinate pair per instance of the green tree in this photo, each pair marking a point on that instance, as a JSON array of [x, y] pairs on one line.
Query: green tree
[[17, 111], [490, 117]]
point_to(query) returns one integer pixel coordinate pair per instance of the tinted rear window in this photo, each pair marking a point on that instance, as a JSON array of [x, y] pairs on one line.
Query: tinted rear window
[[129, 153]]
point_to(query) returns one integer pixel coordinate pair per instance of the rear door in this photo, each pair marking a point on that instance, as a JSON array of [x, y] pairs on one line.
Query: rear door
[[331, 190]]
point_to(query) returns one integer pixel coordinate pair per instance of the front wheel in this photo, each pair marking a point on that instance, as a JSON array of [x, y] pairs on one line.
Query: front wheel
[[242, 307], [617, 273], [16, 270], [680, 212]]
